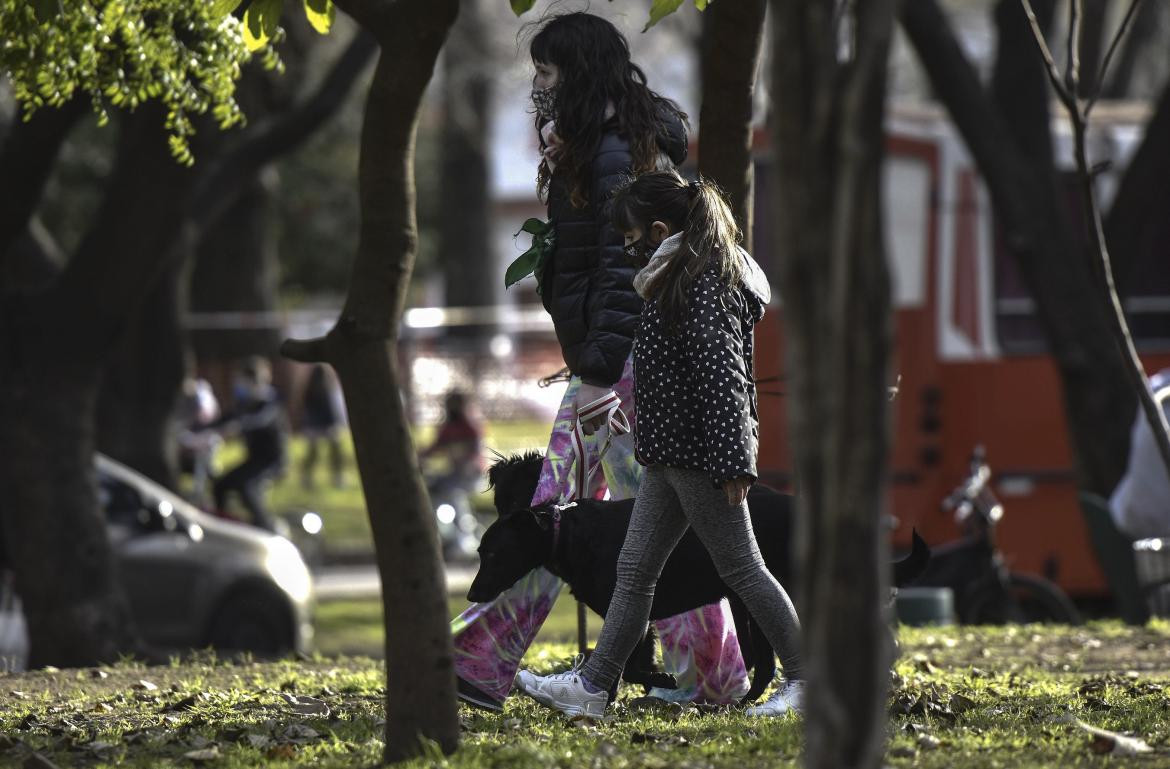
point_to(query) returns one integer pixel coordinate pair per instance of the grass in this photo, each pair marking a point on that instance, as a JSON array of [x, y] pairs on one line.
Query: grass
[[964, 697], [343, 510], [354, 627]]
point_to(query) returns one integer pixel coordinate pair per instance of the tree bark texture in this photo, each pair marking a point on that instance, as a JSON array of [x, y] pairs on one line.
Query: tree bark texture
[[733, 35], [466, 253], [135, 415], [829, 140], [1014, 158], [52, 348], [420, 675]]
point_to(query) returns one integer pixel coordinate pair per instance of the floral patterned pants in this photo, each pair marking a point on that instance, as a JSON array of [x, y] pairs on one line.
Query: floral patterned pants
[[699, 648]]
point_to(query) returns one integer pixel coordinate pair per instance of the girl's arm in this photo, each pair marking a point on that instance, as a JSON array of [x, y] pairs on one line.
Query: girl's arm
[[714, 347]]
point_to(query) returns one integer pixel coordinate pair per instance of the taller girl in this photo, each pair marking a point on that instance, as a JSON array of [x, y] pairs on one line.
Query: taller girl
[[598, 123]]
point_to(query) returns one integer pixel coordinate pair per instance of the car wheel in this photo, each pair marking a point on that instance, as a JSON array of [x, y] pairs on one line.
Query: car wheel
[[251, 622]]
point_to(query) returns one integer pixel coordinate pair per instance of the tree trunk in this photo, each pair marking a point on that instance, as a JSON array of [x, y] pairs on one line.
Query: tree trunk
[[466, 253], [733, 34], [52, 347], [1009, 152], [829, 140], [419, 671], [139, 390], [235, 270]]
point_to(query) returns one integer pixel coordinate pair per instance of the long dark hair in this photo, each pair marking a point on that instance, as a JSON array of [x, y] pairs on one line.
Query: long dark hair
[[594, 70], [710, 235]]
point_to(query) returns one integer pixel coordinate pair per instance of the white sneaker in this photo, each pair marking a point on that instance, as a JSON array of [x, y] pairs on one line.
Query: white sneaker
[[789, 698], [565, 692]]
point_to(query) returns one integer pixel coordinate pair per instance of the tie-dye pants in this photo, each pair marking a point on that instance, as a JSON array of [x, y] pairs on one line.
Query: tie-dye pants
[[699, 648]]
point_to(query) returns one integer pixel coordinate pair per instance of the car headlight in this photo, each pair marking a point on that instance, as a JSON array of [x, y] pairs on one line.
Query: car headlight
[[287, 567]]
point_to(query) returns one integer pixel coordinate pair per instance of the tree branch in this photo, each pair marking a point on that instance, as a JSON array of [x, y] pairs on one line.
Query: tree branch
[[278, 136], [1049, 63], [306, 350], [1125, 22], [26, 161]]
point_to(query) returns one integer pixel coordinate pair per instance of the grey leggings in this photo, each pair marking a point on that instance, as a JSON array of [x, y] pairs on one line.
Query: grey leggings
[[669, 500]]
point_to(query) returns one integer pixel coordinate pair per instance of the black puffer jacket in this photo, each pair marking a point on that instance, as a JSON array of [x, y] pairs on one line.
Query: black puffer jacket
[[587, 279], [695, 391]]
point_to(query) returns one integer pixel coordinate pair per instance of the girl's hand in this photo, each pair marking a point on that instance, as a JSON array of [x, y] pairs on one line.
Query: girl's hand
[[586, 394], [737, 489]]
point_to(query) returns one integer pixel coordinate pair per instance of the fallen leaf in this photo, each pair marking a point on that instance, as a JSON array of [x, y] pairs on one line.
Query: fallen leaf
[[928, 742], [99, 674], [145, 686], [306, 706], [281, 751], [204, 755], [297, 732], [1113, 743], [258, 741]]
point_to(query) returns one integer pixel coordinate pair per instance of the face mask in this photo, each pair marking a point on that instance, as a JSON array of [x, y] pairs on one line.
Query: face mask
[[544, 100]]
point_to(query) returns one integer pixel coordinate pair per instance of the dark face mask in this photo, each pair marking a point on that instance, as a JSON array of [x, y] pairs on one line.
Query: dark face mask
[[544, 100], [638, 252]]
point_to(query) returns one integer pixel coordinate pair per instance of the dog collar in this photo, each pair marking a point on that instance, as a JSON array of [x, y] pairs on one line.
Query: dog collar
[[556, 518]]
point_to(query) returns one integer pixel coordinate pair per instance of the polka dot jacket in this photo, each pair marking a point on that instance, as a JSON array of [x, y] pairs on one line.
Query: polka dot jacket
[[695, 391]]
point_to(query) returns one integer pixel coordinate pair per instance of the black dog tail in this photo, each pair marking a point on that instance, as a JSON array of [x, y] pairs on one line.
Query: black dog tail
[[907, 569]]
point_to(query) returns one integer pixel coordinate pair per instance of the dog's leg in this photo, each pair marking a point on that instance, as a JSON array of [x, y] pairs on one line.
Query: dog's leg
[[641, 668], [765, 663]]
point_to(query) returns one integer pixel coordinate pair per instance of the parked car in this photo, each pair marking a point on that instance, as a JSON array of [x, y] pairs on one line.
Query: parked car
[[194, 580]]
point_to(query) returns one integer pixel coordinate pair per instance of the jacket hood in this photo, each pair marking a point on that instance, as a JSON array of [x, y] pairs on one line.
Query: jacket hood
[[672, 134], [754, 284]]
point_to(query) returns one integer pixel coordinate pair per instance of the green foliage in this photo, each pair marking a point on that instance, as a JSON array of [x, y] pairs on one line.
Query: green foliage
[[660, 9], [520, 7], [261, 21], [320, 14], [121, 53]]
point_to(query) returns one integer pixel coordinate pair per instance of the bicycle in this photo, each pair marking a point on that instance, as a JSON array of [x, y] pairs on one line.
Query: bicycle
[[986, 591]]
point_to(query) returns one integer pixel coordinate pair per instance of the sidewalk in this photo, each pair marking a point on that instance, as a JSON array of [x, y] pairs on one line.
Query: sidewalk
[[335, 583]]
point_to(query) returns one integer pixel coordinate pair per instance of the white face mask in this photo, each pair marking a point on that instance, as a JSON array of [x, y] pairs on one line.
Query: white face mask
[[544, 100]]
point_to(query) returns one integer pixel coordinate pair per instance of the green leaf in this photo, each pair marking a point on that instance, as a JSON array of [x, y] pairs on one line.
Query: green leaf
[[521, 268], [221, 8], [520, 7], [320, 14], [45, 10], [533, 226], [701, 5], [660, 9], [260, 23]]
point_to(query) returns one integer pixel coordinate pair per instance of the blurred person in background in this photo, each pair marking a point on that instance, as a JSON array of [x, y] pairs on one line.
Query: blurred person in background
[[322, 417], [258, 417], [458, 441], [198, 410], [598, 123], [1141, 502]]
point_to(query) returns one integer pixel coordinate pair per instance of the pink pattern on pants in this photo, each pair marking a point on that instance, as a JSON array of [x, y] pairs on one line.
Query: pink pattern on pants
[[699, 648]]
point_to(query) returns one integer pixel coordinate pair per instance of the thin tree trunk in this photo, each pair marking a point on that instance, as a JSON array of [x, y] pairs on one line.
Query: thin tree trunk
[[419, 670], [733, 35], [829, 139], [466, 253]]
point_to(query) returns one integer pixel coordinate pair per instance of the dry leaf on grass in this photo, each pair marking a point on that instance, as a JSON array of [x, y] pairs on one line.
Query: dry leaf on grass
[[1113, 743], [306, 706]]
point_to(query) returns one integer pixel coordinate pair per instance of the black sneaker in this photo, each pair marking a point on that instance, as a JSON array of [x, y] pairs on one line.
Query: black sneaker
[[476, 697]]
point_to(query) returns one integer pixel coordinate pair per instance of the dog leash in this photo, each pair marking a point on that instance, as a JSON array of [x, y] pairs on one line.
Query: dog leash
[[617, 424]]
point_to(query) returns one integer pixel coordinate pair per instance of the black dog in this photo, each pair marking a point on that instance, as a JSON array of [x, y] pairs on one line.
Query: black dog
[[580, 544]]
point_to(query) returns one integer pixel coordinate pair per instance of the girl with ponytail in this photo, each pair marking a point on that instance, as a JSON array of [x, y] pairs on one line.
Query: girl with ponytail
[[597, 122], [697, 433]]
